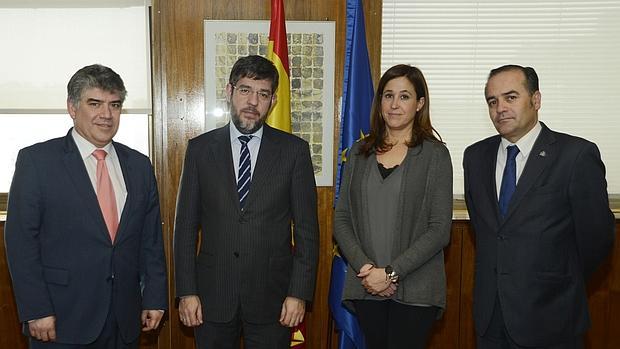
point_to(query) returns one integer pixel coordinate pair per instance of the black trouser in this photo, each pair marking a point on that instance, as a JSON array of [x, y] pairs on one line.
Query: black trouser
[[226, 335], [392, 325]]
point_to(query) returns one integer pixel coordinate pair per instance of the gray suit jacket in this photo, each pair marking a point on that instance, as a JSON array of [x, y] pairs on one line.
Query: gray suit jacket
[[424, 221], [558, 229], [245, 257]]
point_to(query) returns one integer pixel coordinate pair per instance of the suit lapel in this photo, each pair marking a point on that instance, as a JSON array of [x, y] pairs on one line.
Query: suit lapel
[[268, 155], [123, 159], [540, 157], [222, 153], [488, 175], [76, 170]]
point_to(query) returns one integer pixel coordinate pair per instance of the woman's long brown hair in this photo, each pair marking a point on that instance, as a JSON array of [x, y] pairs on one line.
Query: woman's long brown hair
[[422, 128]]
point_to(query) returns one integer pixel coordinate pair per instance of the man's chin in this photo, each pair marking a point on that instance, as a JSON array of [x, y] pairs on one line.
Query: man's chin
[[247, 127]]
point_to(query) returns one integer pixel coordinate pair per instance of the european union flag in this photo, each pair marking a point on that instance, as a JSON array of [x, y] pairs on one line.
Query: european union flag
[[351, 336], [358, 90], [357, 95]]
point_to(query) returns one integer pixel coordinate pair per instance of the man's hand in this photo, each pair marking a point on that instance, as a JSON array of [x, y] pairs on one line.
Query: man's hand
[[151, 319], [190, 311], [293, 310], [43, 329]]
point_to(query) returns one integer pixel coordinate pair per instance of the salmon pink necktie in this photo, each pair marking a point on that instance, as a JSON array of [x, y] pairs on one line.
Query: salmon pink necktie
[[105, 194]]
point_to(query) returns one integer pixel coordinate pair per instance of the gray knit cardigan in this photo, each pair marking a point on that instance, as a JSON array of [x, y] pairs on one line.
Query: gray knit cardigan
[[423, 227]]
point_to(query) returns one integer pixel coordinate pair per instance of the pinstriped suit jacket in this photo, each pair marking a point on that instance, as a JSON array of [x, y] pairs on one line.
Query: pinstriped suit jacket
[[245, 258]]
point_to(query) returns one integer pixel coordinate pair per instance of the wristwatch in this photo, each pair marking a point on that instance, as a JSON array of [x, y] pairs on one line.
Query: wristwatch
[[390, 274]]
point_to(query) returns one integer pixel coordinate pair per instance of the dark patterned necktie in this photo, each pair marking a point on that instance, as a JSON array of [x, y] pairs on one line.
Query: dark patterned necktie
[[244, 178], [509, 179]]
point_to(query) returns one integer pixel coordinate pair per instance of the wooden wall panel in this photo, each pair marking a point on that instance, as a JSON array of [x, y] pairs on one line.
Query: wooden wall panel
[[454, 330], [10, 329]]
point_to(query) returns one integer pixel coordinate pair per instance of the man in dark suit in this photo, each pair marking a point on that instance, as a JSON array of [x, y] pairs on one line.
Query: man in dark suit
[[244, 185], [541, 218], [83, 229]]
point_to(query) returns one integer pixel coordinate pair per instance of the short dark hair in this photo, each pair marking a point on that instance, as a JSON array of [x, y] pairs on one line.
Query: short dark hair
[[531, 78], [256, 68], [95, 76]]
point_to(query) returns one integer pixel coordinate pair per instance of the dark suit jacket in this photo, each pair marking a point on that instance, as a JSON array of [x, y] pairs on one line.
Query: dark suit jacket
[[245, 257], [60, 255], [558, 229]]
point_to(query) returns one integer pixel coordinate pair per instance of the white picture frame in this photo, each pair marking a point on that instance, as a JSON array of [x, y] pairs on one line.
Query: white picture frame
[[311, 60]]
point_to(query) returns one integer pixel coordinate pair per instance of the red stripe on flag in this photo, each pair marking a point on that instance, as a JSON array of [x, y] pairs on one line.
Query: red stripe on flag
[[277, 32]]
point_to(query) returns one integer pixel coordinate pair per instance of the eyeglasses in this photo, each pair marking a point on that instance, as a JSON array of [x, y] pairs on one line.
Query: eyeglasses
[[246, 91]]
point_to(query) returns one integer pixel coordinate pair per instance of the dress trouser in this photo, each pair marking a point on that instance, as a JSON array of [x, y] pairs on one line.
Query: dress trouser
[[226, 335], [391, 325]]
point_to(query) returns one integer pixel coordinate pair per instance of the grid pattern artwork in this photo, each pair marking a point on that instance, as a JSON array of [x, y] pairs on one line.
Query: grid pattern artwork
[[307, 76]]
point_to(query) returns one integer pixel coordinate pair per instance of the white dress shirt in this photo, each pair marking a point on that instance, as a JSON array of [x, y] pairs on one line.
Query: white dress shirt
[[525, 145], [114, 167]]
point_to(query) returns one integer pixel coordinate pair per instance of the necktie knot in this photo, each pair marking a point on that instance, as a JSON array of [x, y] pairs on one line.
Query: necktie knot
[[99, 154], [513, 150], [244, 139]]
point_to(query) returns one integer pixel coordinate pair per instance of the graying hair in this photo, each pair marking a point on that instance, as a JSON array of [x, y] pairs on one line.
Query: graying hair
[[94, 76]]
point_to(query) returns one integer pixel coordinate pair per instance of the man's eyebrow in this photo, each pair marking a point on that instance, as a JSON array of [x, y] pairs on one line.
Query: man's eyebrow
[[510, 93], [101, 101], [488, 98]]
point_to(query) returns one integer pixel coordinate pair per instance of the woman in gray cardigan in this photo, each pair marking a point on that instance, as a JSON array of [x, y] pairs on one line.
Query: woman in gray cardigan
[[394, 215]]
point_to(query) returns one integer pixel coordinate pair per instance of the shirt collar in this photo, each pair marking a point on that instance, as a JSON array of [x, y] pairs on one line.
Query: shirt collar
[[86, 148], [525, 143], [234, 133]]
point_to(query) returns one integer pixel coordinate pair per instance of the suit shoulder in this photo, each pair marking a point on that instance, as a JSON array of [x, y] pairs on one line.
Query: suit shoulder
[[285, 137], [208, 137], [134, 154], [568, 140], [482, 144], [45, 146]]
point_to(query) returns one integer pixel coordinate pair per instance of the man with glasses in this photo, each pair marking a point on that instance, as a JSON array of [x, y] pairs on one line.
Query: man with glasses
[[250, 189]]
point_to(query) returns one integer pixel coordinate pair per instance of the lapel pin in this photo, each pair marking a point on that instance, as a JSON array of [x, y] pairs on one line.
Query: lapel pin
[[542, 153]]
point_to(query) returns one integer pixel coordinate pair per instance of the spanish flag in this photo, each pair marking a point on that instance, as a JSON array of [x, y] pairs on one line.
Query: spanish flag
[[277, 52], [280, 116]]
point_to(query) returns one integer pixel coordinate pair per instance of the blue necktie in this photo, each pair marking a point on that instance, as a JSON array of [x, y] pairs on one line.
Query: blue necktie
[[245, 173], [509, 180]]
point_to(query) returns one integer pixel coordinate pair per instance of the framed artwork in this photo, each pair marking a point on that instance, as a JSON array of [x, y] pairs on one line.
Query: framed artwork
[[311, 49]]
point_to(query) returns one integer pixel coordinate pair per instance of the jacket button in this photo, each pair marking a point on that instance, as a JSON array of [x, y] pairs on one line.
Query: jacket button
[[236, 254]]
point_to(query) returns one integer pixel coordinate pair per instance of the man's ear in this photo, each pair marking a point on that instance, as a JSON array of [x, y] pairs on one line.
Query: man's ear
[[229, 91], [536, 100], [71, 109]]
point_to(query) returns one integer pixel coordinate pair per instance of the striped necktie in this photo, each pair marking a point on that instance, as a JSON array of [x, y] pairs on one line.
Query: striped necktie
[[244, 178]]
